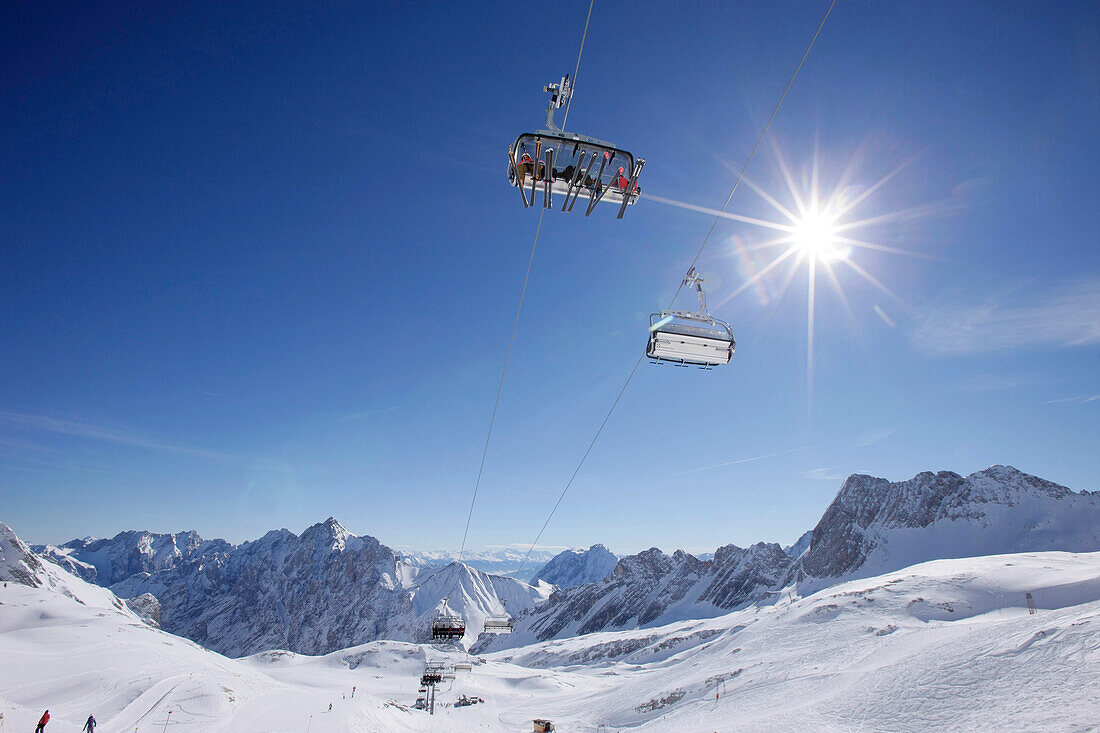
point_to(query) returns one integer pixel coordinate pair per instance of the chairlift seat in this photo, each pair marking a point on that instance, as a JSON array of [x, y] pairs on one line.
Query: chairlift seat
[[700, 341], [499, 625], [599, 160]]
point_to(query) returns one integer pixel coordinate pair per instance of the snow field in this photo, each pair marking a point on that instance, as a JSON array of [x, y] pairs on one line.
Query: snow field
[[945, 645]]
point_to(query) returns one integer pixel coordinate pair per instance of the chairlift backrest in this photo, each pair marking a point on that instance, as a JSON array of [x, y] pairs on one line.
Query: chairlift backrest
[[690, 337], [683, 338]]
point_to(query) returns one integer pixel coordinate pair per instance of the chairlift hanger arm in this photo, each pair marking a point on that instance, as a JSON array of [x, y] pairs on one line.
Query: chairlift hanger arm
[[693, 278], [560, 94]]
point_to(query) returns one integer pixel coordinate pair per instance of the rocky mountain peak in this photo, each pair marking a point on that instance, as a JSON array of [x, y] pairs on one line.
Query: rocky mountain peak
[[331, 535], [17, 563], [874, 525], [577, 567]]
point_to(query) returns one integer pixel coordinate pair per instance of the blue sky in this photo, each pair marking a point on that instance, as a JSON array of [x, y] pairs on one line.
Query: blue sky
[[259, 264]]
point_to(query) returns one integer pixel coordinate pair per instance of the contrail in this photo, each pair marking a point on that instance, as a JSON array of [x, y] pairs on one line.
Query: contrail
[[745, 460]]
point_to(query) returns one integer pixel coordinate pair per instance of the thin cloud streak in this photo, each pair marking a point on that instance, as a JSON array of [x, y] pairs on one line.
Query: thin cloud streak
[[824, 474], [1075, 400], [745, 460], [874, 437], [1063, 318], [75, 428], [363, 414]]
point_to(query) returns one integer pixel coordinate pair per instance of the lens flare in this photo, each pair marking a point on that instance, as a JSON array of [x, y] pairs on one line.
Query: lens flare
[[814, 234]]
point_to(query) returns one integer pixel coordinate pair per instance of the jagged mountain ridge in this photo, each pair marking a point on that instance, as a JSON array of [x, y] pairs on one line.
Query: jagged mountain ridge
[[270, 593], [652, 589], [577, 567], [875, 526], [871, 527], [324, 590]]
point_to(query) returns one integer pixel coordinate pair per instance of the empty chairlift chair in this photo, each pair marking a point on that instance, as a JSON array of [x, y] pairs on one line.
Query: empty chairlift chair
[[447, 624], [500, 623], [690, 337], [570, 166]]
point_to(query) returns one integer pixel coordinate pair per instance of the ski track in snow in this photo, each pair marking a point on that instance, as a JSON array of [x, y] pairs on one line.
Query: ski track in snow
[[945, 645]]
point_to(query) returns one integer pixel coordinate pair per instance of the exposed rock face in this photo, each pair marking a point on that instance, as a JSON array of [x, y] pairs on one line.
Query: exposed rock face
[[324, 590], [130, 553], [147, 607], [801, 544], [83, 570], [328, 589], [874, 525], [577, 567], [652, 588], [18, 564]]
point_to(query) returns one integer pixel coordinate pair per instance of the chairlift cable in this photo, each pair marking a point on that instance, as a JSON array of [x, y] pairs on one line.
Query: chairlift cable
[[718, 218], [500, 386], [760, 139], [577, 69], [519, 309], [578, 469]]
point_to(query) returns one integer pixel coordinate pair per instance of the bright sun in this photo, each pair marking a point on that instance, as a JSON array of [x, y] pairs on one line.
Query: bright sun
[[816, 237]]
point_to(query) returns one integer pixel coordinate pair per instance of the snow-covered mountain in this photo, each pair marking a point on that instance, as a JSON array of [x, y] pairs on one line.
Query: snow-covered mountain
[[324, 590], [946, 645], [110, 561], [651, 589], [20, 565], [472, 594], [872, 526], [577, 567]]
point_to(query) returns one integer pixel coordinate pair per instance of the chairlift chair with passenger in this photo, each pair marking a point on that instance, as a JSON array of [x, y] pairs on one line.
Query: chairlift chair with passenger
[[569, 165], [433, 673], [447, 624], [690, 337]]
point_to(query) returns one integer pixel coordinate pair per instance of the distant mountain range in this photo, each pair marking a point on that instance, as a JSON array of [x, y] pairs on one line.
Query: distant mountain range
[[324, 590], [328, 589], [873, 526], [507, 561]]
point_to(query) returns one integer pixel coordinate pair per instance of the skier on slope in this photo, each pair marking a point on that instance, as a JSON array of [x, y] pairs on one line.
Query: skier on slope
[[90, 724], [42, 722]]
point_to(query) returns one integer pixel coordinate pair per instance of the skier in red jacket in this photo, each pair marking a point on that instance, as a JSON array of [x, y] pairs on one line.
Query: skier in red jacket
[[42, 722], [620, 182]]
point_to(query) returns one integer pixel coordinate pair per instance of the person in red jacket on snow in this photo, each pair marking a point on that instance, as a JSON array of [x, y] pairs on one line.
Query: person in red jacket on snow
[[42, 722]]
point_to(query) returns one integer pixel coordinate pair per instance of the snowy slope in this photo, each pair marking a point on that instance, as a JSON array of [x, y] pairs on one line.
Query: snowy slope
[[20, 566], [946, 645], [577, 567]]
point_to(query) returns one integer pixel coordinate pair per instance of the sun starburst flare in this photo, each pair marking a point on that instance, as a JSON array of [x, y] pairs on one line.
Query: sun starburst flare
[[817, 234]]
